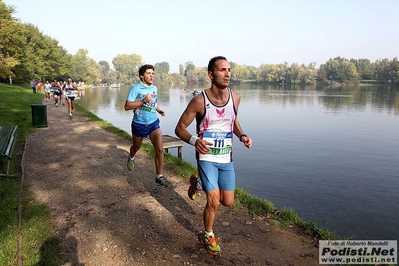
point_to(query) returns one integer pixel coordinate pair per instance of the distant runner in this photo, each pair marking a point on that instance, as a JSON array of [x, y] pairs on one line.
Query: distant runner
[[56, 90], [47, 90], [70, 95]]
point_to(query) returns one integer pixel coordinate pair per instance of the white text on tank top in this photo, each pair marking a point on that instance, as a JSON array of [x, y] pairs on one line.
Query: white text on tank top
[[217, 128]]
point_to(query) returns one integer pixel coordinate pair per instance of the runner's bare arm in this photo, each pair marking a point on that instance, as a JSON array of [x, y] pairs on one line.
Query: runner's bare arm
[[194, 108], [133, 105]]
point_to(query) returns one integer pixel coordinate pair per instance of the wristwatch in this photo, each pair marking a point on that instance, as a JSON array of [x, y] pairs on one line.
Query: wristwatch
[[243, 135]]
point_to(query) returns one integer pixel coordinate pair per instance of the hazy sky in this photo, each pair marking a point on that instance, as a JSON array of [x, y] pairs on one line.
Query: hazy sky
[[247, 32]]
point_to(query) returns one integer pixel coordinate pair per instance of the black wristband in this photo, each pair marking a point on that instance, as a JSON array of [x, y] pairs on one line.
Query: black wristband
[[243, 135]]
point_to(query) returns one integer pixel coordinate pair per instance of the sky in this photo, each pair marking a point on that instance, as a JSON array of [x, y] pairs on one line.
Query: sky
[[246, 32]]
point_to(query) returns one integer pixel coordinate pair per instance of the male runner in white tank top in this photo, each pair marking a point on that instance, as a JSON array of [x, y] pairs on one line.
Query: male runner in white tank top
[[215, 111]]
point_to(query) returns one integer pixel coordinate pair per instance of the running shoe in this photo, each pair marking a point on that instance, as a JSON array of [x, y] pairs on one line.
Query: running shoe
[[195, 186], [209, 242], [130, 163], [70, 115], [162, 181]]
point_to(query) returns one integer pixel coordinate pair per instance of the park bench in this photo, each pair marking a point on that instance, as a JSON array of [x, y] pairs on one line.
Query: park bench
[[8, 137], [170, 142]]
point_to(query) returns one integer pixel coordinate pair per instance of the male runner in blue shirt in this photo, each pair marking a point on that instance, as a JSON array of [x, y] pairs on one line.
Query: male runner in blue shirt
[[143, 100]]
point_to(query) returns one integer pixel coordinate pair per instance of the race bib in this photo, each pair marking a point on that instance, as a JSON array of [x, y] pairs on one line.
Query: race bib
[[70, 93], [221, 142], [148, 109]]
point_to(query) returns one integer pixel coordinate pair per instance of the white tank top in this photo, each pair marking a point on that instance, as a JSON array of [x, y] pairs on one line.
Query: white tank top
[[217, 126], [70, 92]]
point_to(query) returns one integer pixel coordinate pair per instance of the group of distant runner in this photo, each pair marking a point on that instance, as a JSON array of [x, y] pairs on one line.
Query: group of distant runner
[[60, 92]]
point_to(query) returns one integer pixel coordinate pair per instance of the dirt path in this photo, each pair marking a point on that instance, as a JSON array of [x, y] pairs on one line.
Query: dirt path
[[106, 215]]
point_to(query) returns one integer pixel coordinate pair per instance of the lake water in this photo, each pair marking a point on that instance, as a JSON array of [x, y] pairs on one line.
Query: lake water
[[331, 154]]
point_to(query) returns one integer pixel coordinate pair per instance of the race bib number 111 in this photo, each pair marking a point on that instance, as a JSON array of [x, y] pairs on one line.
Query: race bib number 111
[[221, 142]]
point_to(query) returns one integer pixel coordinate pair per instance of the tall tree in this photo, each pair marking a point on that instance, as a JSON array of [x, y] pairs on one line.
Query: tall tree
[[7, 27], [162, 67], [381, 70], [57, 61], [105, 65], [201, 75], [79, 65], [104, 72], [181, 70], [127, 67], [340, 70], [85, 68], [293, 73], [307, 74], [253, 73], [189, 67], [394, 71], [364, 68]]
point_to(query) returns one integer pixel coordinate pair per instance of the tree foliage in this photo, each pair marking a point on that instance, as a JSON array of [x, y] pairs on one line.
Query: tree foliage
[[7, 23], [364, 67], [382, 71], [26, 53], [340, 70], [85, 68], [162, 67], [127, 67], [189, 68]]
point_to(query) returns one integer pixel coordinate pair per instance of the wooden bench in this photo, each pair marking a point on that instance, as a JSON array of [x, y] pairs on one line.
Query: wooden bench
[[170, 142], [8, 137]]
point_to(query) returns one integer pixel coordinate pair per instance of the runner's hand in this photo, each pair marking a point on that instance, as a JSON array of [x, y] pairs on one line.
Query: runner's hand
[[202, 146], [147, 98]]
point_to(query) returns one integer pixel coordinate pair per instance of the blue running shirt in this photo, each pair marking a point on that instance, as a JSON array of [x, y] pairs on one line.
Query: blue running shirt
[[145, 114]]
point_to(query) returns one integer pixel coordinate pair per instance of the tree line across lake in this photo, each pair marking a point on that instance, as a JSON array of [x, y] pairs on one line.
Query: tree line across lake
[[26, 53]]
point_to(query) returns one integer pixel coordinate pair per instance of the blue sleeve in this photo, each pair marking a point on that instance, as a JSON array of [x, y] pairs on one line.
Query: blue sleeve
[[133, 93]]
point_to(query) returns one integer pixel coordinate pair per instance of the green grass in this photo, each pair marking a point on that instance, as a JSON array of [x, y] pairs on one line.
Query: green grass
[[8, 221], [40, 247], [254, 205], [15, 106], [286, 217]]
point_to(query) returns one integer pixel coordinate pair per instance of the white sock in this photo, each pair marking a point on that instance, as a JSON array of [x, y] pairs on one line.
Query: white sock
[[208, 233], [159, 175], [132, 158]]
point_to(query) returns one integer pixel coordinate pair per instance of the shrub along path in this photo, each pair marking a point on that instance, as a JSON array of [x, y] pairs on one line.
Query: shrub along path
[[106, 215]]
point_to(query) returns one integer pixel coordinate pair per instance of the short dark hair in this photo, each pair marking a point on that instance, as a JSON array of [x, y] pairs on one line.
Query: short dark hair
[[212, 62], [144, 68]]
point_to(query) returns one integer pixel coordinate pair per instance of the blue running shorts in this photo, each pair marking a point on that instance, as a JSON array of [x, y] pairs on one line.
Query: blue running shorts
[[141, 130], [216, 175]]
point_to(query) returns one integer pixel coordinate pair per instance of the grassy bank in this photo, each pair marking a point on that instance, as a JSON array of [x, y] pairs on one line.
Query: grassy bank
[[15, 109]]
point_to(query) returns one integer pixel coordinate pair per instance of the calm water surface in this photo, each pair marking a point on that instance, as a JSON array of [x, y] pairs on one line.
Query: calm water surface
[[330, 154]]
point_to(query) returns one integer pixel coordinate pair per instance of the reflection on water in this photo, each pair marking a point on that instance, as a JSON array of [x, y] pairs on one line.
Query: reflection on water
[[332, 154]]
